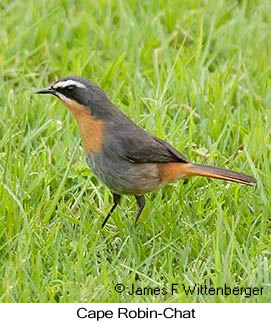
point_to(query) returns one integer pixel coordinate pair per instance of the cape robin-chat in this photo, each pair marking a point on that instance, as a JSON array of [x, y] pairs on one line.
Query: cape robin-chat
[[127, 159]]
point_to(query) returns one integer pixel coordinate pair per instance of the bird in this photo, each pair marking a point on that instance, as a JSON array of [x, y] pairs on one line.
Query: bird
[[123, 156]]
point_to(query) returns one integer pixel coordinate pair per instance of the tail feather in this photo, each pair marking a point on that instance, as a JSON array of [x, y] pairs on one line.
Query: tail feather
[[219, 173]]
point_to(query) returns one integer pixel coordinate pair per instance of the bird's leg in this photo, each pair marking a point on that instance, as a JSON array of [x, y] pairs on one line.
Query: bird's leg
[[116, 199], [141, 201]]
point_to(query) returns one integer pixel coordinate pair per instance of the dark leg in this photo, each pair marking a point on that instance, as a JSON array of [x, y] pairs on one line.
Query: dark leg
[[140, 199], [116, 199]]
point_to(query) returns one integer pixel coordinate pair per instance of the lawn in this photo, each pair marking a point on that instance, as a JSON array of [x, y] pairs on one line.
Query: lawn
[[195, 73]]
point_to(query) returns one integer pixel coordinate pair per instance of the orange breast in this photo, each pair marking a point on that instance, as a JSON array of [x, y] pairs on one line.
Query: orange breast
[[91, 129]]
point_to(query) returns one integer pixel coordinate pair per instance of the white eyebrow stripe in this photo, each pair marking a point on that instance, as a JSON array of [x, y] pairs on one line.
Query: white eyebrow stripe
[[62, 84]]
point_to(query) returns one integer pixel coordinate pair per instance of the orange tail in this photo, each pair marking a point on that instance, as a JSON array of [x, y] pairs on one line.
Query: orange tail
[[219, 173], [174, 171]]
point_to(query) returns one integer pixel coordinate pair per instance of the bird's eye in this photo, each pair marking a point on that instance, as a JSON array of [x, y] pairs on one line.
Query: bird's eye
[[70, 88]]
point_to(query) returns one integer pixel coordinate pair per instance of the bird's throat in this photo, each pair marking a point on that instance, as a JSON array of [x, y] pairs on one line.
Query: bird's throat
[[91, 129]]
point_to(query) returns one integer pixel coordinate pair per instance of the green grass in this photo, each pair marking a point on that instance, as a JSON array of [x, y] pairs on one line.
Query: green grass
[[196, 73]]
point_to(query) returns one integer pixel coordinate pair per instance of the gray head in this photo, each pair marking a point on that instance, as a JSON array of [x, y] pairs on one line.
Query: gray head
[[78, 89]]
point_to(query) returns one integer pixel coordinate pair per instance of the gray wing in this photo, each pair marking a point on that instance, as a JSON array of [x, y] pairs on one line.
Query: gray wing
[[140, 147]]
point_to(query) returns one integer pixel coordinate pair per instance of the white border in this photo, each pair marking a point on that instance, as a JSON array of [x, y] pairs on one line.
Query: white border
[[211, 313]]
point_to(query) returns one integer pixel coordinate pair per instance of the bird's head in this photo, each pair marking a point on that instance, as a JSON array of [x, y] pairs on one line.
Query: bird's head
[[89, 105], [72, 90]]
